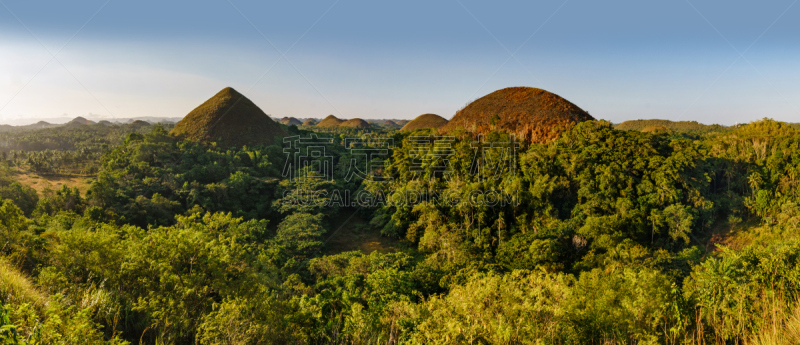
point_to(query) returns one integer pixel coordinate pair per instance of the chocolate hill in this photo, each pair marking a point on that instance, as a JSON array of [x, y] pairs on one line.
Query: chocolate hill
[[531, 114], [389, 123], [330, 121], [354, 123], [309, 122], [290, 121], [425, 121], [230, 119]]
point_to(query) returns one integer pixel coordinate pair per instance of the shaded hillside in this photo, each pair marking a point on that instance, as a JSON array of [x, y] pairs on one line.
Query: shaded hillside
[[677, 126], [309, 122], [389, 123], [531, 114], [425, 121], [330, 121], [230, 119]]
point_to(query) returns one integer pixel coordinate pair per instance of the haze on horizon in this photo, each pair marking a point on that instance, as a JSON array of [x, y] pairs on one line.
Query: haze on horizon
[[708, 61]]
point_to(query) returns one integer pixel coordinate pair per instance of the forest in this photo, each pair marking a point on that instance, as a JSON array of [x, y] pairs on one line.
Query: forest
[[602, 236]]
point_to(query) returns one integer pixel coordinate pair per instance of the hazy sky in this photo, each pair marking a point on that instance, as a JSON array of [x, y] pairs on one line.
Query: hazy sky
[[710, 61]]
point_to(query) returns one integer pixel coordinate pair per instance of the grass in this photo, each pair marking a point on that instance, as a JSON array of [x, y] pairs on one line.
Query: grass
[[531, 114], [54, 182], [230, 119], [15, 288], [425, 121]]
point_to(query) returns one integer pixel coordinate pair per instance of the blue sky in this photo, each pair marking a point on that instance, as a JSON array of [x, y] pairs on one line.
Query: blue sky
[[710, 61]]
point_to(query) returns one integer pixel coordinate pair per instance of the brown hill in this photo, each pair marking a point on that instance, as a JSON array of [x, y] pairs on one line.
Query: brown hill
[[389, 123], [230, 119], [309, 122], [290, 121], [531, 114], [330, 121], [425, 121], [354, 123]]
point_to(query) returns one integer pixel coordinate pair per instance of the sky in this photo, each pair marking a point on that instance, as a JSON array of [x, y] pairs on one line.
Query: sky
[[709, 61]]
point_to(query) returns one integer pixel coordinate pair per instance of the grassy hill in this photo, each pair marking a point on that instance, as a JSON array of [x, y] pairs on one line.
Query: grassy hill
[[354, 123], [228, 118], [330, 121]]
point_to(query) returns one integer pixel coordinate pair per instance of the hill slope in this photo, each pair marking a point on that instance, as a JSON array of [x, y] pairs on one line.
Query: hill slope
[[230, 119], [425, 121], [531, 114]]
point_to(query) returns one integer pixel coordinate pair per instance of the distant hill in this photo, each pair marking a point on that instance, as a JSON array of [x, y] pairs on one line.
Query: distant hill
[[79, 121], [104, 123], [677, 126], [290, 121], [228, 118], [139, 123], [531, 114], [425, 121], [41, 124], [330, 121], [309, 122], [354, 123]]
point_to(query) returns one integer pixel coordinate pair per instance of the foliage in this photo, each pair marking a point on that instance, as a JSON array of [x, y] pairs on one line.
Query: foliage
[[600, 236]]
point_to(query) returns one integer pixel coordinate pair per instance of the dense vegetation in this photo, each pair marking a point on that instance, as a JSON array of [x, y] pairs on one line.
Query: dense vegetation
[[603, 236], [681, 126], [69, 149]]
